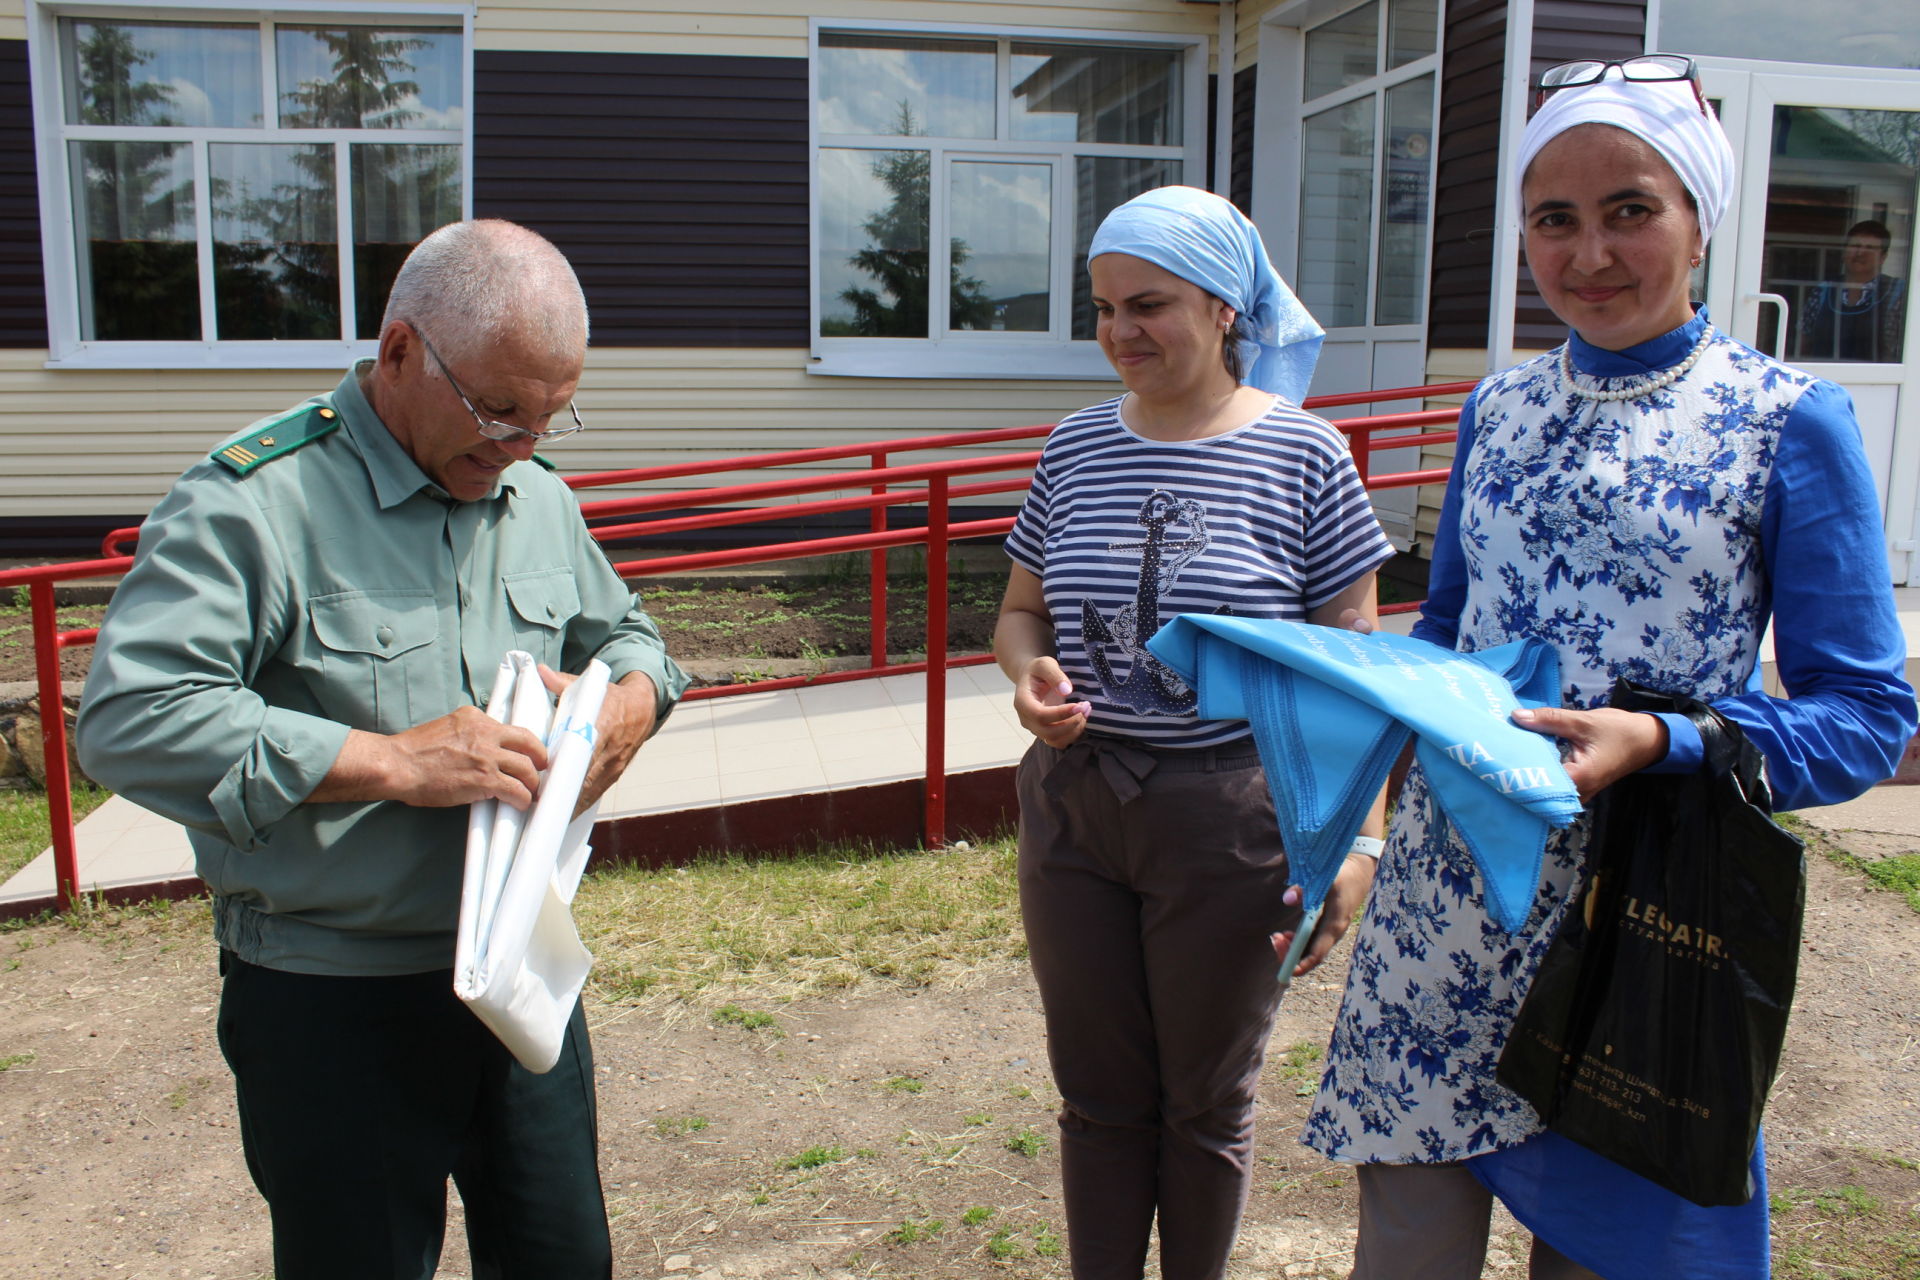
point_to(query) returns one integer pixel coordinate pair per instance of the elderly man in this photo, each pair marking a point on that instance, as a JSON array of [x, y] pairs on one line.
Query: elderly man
[[291, 671]]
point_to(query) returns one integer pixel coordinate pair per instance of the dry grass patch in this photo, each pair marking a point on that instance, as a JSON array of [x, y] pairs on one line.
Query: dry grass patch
[[828, 922]]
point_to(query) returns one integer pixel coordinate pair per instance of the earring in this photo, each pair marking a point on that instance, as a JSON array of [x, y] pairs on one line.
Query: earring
[[1697, 259]]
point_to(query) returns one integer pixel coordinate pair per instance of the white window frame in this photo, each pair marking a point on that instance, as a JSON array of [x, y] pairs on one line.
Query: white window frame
[[1281, 118], [66, 349], [985, 354]]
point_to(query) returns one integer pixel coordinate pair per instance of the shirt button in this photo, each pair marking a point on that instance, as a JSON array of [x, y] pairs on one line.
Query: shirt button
[[385, 636], [466, 597]]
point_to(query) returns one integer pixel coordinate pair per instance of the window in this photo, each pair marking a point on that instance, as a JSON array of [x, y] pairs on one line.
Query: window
[[958, 180], [1366, 163], [240, 190]]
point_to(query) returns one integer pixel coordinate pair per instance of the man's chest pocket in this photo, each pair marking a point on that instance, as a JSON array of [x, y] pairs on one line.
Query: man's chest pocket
[[380, 664], [541, 603]]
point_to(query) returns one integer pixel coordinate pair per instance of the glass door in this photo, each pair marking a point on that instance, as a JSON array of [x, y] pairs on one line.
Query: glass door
[[1363, 112], [1815, 263]]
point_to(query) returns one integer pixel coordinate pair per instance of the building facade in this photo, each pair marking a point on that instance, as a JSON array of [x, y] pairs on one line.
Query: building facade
[[819, 221]]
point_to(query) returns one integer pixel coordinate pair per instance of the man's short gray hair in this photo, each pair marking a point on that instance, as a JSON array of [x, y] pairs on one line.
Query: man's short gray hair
[[470, 284]]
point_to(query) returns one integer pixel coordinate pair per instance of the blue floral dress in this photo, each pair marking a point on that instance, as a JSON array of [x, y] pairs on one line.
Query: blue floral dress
[[1627, 534]]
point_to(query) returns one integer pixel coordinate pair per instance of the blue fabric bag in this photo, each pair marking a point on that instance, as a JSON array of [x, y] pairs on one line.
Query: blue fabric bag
[[1331, 709]]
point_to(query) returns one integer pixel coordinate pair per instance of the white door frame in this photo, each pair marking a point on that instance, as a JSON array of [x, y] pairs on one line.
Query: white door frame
[[1747, 99], [1277, 142]]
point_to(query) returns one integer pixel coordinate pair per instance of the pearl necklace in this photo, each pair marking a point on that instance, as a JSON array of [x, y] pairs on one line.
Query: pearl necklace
[[1646, 387]]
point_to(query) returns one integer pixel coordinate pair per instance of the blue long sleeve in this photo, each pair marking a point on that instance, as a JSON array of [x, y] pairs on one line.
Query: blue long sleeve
[[1837, 641], [1447, 568]]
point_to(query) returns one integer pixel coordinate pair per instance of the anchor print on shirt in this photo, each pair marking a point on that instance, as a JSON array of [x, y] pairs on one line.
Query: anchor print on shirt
[[1149, 687]]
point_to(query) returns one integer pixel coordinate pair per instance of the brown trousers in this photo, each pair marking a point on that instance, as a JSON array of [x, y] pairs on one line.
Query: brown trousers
[[1150, 882], [1430, 1222]]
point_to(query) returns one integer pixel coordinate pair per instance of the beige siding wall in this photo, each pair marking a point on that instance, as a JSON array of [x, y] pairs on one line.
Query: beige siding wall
[[1246, 36], [778, 28], [109, 442]]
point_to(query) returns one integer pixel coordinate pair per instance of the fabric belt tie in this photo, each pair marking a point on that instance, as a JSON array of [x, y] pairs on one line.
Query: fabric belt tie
[[1124, 767]]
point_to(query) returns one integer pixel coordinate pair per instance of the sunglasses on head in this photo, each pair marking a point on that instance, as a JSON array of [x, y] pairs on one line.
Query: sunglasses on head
[[1650, 68]]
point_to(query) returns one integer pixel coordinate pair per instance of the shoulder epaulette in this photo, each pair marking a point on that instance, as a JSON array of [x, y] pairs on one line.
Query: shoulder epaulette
[[277, 437], [543, 462]]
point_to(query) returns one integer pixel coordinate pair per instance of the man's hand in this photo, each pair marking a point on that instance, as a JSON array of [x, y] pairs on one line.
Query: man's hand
[[1608, 744], [626, 720], [457, 759], [1343, 899], [1040, 700]]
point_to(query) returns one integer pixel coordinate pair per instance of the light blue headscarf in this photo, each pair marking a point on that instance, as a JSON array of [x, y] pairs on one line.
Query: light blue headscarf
[[1204, 240]]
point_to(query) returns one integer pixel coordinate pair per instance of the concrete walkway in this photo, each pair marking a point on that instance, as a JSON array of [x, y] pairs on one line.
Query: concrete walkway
[[716, 751], [812, 741]]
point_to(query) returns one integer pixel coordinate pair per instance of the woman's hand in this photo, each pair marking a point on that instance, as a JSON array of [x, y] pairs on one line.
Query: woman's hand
[[1343, 900], [1608, 744], [1041, 700]]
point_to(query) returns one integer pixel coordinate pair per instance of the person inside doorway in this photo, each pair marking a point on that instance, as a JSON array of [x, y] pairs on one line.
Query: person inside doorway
[[1862, 316]]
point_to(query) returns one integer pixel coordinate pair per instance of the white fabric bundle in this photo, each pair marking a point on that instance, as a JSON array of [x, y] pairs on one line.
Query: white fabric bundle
[[518, 963]]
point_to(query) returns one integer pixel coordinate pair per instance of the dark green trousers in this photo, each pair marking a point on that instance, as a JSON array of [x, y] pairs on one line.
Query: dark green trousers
[[360, 1097]]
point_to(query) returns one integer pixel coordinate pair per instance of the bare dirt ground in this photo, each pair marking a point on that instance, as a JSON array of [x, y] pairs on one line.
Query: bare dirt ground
[[889, 1132]]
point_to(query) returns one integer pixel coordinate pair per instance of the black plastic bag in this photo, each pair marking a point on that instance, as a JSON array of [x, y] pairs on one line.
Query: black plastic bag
[[1652, 1031]]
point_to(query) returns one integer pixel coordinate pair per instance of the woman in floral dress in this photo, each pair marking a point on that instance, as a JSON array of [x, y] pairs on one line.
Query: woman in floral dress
[[1644, 498]]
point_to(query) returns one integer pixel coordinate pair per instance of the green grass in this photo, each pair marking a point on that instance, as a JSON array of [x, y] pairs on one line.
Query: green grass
[[24, 829], [914, 1230], [1026, 1142], [906, 1084], [746, 1019], [1300, 1067], [12, 1060], [808, 925], [978, 1214], [678, 1126], [814, 1158], [1901, 874], [1000, 1245]]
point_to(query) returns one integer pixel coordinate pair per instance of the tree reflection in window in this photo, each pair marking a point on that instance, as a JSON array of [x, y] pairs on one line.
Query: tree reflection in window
[[274, 203], [136, 198], [896, 256]]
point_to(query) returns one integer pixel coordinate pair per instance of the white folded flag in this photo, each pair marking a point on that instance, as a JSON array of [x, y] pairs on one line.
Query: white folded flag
[[518, 962]]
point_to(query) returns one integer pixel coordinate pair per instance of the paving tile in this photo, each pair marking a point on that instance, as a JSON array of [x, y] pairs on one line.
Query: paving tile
[[755, 783], [889, 746], [827, 721], [859, 771], [664, 797], [670, 762], [845, 695]]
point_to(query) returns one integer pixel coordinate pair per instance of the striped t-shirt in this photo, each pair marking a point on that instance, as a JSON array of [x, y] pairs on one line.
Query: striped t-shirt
[[1266, 521]]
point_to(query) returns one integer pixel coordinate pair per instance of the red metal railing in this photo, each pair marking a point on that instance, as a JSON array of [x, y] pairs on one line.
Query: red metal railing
[[873, 487]]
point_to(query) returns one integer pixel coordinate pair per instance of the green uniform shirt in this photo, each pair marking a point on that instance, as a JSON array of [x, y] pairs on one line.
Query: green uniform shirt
[[279, 599]]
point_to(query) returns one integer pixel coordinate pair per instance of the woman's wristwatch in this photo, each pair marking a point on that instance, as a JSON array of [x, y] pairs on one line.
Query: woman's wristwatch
[[1366, 847]]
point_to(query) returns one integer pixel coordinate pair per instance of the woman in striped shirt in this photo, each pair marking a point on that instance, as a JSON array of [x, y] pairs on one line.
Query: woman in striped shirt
[[1152, 879]]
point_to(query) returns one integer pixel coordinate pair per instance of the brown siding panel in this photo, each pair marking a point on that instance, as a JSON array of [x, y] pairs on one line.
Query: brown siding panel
[[23, 299], [677, 184], [1464, 173], [1464, 208], [1244, 84], [1562, 31]]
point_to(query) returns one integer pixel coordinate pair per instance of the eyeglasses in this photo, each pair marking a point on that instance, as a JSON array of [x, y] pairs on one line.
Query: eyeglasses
[[505, 432], [1649, 68]]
